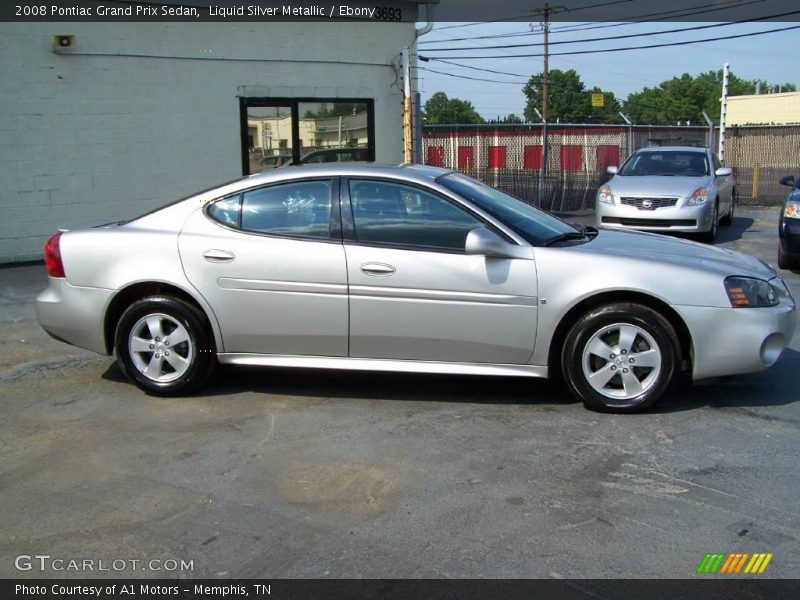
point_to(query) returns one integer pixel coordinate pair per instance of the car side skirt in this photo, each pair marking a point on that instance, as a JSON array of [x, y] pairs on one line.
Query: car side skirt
[[370, 364]]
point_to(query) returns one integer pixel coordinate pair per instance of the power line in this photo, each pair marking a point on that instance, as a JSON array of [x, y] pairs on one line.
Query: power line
[[619, 37], [429, 70], [631, 21], [506, 19], [579, 52], [455, 64]]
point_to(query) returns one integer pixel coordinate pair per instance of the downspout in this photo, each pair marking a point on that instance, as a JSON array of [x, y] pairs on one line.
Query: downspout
[[416, 113]]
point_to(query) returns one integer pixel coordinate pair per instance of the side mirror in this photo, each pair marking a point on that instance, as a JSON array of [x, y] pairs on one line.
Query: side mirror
[[484, 242], [612, 170], [723, 172], [787, 180]]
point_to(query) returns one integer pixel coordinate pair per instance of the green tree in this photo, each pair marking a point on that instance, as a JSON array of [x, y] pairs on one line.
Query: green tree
[[568, 100], [684, 98], [441, 110], [512, 118]]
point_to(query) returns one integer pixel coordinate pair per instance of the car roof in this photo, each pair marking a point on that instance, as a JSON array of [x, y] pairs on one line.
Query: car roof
[[698, 149], [407, 172], [414, 172]]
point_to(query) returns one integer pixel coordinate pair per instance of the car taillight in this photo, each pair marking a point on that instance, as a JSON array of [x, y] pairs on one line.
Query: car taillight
[[52, 256]]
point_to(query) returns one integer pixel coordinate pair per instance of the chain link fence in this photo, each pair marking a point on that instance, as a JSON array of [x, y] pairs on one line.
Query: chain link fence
[[760, 156], [511, 157]]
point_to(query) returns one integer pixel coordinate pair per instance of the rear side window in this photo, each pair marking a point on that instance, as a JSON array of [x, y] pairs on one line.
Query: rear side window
[[226, 211], [297, 209], [300, 209]]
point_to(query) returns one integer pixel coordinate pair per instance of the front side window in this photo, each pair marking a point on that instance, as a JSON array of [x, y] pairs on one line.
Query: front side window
[[297, 209], [391, 213], [535, 226]]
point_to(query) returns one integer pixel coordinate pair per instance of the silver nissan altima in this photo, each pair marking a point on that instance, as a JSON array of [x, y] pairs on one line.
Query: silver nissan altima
[[407, 268], [670, 189]]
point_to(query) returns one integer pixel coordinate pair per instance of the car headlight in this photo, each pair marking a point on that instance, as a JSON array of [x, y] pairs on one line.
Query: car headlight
[[604, 195], [747, 292], [699, 196], [792, 210]]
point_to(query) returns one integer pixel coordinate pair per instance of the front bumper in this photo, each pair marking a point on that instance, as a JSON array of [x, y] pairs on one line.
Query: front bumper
[[687, 219], [729, 341], [74, 314]]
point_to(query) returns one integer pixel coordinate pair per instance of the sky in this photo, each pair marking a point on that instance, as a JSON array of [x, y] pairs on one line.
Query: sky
[[773, 57]]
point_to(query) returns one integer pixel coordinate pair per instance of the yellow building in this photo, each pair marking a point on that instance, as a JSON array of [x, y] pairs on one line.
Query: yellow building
[[764, 109]]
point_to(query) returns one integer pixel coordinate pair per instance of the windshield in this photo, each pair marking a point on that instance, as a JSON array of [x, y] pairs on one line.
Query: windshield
[[533, 225], [669, 163]]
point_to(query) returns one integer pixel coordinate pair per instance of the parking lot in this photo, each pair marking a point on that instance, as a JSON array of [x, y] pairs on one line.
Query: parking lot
[[280, 473]]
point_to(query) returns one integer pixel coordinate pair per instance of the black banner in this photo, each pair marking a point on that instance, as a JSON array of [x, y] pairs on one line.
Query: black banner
[[400, 10], [365, 589]]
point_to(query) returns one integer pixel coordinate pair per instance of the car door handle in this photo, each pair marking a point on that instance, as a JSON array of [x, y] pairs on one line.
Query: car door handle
[[218, 256], [377, 269]]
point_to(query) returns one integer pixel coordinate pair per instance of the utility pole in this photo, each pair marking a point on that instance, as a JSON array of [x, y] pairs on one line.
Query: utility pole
[[546, 71], [408, 133], [545, 11]]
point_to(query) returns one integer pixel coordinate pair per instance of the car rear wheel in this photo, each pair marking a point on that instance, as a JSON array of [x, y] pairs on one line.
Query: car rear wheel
[[164, 346], [620, 357]]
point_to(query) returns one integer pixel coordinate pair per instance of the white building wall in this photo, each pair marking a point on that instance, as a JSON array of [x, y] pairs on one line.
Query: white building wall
[[96, 136]]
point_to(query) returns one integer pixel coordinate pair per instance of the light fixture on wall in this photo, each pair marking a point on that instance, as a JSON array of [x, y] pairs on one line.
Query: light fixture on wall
[[63, 43]]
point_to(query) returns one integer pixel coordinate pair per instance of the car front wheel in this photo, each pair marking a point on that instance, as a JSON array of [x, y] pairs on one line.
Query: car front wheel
[[711, 235], [728, 219], [620, 357], [164, 346]]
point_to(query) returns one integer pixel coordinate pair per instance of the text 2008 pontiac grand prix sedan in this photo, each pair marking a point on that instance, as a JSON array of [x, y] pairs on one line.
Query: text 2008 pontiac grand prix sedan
[[407, 268]]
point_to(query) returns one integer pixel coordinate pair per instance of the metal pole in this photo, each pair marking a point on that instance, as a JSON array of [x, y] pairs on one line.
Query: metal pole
[[417, 120], [630, 131], [543, 173], [723, 111], [710, 129]]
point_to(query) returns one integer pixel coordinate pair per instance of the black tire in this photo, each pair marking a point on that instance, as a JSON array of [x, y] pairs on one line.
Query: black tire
[[783, 261], [710, 236], [177, 368], [728, 219], [648, 331]]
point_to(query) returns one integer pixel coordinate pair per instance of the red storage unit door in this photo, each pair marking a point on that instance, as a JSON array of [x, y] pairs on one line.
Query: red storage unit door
[[497, 157], [532, 158], [435, 156], [466, 157], [607, 156], [571, 158]]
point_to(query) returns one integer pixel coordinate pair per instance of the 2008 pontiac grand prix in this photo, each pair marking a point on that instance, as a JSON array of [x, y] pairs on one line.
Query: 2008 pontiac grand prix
[[407, 268]]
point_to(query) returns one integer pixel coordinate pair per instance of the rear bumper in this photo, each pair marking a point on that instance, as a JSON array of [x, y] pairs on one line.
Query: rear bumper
[[74, 314], [728, 341]]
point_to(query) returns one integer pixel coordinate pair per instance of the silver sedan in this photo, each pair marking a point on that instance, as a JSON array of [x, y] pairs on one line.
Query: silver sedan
[[671, 189], [407, 268]]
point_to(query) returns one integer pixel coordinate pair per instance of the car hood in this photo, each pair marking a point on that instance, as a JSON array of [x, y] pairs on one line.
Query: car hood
[[657, 248], [656, 185]]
